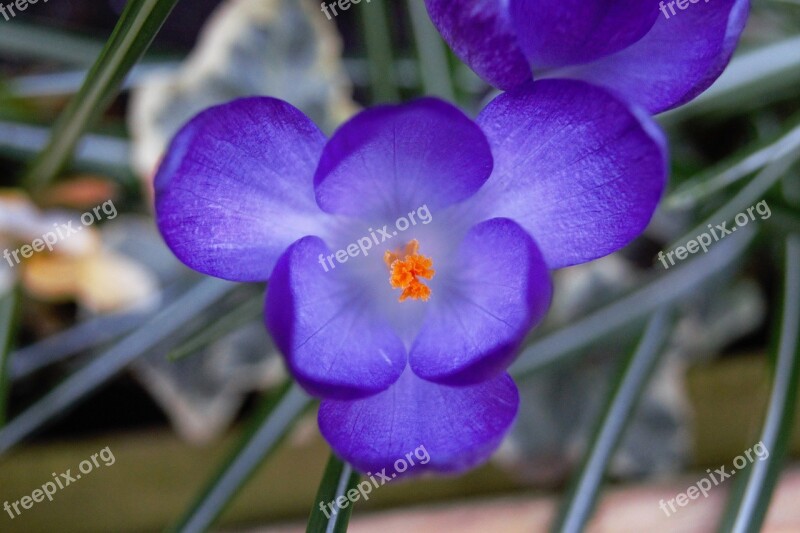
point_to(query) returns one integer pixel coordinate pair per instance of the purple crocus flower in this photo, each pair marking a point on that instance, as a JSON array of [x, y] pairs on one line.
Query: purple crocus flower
[[405, 330], [657, 54]]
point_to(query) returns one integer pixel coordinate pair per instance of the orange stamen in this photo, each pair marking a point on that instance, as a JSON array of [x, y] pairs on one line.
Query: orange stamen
[[406, 266]]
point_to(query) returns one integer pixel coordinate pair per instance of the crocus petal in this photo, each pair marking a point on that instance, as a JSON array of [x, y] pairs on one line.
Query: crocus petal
[[457, 428], [480, 33], [334, 346], [390, 159], [236, 187], [577, 168], [677, 60], [569, 32], [498, 288]]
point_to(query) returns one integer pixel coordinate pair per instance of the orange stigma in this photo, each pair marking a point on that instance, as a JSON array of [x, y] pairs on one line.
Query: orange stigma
[[406, 266]]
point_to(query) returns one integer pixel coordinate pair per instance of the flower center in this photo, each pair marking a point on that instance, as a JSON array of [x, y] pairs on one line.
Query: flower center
[[406, 266]]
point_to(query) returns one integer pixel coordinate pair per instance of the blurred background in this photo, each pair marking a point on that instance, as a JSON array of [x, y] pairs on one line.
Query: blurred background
[[108, 341]]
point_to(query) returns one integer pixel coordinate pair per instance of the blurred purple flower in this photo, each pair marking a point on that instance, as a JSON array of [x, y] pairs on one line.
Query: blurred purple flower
[[657, 55], [552, 174]]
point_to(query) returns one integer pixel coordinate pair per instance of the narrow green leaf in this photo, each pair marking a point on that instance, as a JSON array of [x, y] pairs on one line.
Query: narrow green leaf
[[379, 51], [135, 30], [693, 192], [79, 338], [245, 313], [8, 306], [623, 398], [563, 343], [784, 221], [270, 425], [750, 194], [431, 53], [20, 41], [95, 152], [163, 324], [69, 82], [339, 478], [750, 499]]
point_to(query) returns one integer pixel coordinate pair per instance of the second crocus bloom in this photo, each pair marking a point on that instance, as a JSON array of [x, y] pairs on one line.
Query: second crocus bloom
[[636, 48]]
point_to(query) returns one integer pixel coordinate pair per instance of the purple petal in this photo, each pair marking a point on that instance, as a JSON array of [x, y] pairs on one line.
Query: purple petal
[[389, 159], [574, 166], [677, 60], [236, 187], [320, 320], [457, 428], [480, 33], [500, 289], [555, 33]]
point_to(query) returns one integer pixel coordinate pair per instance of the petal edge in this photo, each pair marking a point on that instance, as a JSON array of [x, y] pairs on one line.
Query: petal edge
[[235, 187]]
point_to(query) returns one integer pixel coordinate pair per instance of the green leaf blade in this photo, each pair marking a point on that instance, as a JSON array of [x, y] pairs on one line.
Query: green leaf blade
[[750, 499], [8, 306], [563, 343], [270, 425], [78, 385], [338, 479], [135, 30], [623, 398]]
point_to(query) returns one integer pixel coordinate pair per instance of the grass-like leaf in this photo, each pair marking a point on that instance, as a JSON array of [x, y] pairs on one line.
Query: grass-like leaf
[[238, 317], [8, 306], [80, 338], [338, 478], [269, 426], [135, 30], [69, 82], [749, 195], [750, 499], [431, 53], [20, 41], [565, 342], [692, 193], [379, 52], [100, 153], [784, 221], [163, 324], [623, 397]]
